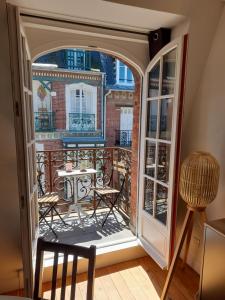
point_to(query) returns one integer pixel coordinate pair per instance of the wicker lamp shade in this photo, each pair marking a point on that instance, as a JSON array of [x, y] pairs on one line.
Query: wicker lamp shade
[[199, 179]]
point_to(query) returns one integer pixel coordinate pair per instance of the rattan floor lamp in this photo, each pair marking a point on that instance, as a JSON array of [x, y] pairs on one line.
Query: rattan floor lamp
[[199, 179]]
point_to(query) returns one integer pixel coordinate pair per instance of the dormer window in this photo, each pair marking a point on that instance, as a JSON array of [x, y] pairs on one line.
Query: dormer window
[[123, 74], [76, 59]]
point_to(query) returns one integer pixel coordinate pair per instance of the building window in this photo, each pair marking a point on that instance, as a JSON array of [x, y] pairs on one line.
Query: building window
[[76, 59], [123, 74], [81, 107], [80, 99]]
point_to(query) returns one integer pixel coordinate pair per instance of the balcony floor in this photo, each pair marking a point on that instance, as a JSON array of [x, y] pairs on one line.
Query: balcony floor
[[92, 233]]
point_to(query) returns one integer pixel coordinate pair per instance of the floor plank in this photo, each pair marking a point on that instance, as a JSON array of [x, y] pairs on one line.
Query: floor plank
[[140, 279], [109, 288]]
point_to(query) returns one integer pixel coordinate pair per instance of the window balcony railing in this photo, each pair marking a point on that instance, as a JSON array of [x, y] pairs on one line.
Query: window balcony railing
[[104, 160], [44, 121], [123, 138], [81, 122]]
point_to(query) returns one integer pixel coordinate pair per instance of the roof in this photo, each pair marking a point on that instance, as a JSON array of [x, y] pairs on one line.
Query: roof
[[99, 60]]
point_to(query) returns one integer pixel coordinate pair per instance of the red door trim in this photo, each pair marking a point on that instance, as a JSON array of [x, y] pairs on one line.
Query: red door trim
[[178, 146]]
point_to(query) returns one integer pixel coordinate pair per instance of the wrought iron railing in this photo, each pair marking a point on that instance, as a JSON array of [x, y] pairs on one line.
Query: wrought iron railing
[[44, 121], [81, 122], [123, 138], [104, 160]]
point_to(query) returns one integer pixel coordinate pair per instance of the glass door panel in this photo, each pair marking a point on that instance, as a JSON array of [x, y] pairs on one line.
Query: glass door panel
[[150, 166], [168, 77], [166, 114], [153, 89], [148, 196], [161, 203], [163, 162], [152, 112]]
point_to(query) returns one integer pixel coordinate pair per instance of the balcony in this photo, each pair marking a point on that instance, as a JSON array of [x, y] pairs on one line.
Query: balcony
[[123, 138], [44, 121], [80, 122], [101, 159]]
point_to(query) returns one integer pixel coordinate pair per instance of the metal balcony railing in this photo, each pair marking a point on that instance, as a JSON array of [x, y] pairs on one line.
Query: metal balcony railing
[[44, 121], [123, 138], [81, 122], [101, 159]]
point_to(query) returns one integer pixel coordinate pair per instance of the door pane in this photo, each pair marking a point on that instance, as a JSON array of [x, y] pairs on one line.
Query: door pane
[[169, 67], [161, 203], [163, 162], [148, 196], [150, 159], [166, 114], [153, 88], [152, 108]]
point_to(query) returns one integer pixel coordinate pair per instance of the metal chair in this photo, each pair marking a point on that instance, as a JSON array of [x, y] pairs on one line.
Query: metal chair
[[47, 205], [50, 202], [72, 250], [110, 195]]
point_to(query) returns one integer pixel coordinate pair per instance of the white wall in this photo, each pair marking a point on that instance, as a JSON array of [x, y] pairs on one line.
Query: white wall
[[10, 238], [44, 36], [205, 124]]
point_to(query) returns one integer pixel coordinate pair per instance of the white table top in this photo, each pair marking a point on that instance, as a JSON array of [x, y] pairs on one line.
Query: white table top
[[63, 173]]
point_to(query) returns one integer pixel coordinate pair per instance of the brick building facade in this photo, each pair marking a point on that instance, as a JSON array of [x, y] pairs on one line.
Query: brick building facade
[[56, 122], [79, 106], [115, 102]]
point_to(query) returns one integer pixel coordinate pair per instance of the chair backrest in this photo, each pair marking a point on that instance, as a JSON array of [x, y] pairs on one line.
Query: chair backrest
[[66, 250], [121, 172]]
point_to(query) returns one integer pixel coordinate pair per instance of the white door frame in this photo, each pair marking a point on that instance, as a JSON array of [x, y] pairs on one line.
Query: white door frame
[[162, 260]]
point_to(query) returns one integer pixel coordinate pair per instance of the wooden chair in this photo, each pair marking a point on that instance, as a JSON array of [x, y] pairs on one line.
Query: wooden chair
[[66, 250], [47, 205], [110, 195], [51, 203]]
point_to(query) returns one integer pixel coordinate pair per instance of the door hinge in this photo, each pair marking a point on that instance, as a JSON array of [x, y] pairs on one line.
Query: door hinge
[[22, 201], [17, 109]]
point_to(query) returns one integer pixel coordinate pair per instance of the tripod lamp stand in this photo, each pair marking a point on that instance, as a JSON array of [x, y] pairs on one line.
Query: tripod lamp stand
[[199, 179]]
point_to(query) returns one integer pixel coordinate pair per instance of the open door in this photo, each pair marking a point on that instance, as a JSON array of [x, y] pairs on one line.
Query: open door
[[25, 139], [158, 146]]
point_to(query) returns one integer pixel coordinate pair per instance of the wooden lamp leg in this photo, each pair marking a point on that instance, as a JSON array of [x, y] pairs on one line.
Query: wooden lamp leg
[[203, 219], [186, 225], [203, 216], [187, 245]]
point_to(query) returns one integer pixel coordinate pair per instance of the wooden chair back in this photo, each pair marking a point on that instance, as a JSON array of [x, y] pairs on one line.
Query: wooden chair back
[[73, 250], [122, 173]]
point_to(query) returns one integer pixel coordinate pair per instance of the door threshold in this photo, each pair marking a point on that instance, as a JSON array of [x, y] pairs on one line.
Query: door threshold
[[102, 249]]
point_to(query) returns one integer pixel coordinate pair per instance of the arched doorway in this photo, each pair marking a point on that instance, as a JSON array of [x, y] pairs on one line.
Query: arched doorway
[[77, 91]]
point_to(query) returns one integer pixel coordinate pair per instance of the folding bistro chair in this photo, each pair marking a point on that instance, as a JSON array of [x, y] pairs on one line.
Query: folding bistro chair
[[108, 194], [47, 205], [73, 250]]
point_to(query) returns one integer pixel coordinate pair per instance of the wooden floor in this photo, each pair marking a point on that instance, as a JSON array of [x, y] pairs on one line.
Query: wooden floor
[[137, 279]]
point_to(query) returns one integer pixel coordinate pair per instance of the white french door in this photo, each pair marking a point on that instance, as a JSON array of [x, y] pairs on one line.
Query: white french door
[[158, 144], [25, 142]]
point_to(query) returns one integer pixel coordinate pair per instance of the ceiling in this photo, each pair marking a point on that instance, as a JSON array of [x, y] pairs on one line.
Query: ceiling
[[101, 13]]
